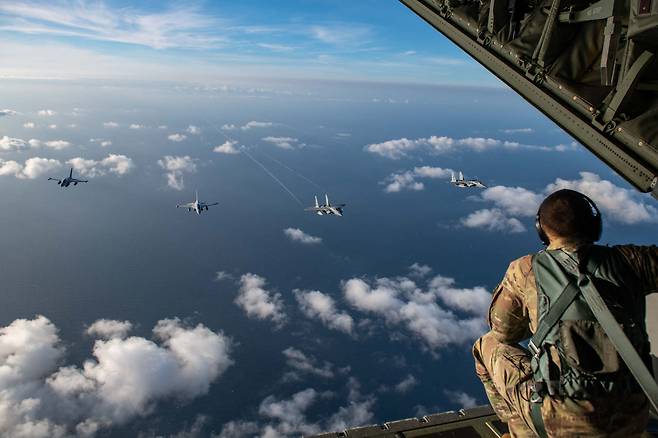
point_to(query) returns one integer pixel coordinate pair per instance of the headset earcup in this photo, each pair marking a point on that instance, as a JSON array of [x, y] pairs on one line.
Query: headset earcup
[[540, 231]]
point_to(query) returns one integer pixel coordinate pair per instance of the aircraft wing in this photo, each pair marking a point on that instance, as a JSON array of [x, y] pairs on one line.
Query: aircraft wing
[[314, 209], [188, 205], [79, 180], [210, 205], [590, 67]]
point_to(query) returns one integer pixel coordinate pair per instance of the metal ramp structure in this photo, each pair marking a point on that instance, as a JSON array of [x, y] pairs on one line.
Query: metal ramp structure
[[590, 66], [480, 422]]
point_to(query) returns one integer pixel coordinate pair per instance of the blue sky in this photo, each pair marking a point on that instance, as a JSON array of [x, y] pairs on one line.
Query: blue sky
[[203, 41]]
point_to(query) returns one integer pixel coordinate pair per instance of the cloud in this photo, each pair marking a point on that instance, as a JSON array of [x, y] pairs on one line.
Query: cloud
[[464, 400], [223, 275], [518, 131], [110, 124], [417, 270], [227, 147], [287, 417], [305, 364], [516, 201], [9, 144], [396, 149], [397, 182], [177, 137], [57, 144], [176, 27], [7, 112], [52, 126], [45, 112], [400, 302], [194, 130], [406, 385], [125, 379], [493, 220], [116, 164], [32, 169], [317, 305], [259, 303], [135, 126], [283, 142], [276, 47], [297, 235], [29, 125], [247, 126], [176, 166], [617, 204], [109, 329]]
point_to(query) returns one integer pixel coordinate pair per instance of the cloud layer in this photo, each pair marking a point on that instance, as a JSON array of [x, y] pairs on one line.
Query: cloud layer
[[125, 379], [617, 204]]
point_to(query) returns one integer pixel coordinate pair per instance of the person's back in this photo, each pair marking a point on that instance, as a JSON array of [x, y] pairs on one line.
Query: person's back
[[580, 383]]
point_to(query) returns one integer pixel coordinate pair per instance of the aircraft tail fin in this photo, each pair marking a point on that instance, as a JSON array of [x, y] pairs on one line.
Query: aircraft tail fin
[[71, 173], [452, 177], [196, 195], [461, 176], [326, 199], [317, 204]]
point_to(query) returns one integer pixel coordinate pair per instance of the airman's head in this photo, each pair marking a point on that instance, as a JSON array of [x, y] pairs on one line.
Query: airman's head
[[569, 216]]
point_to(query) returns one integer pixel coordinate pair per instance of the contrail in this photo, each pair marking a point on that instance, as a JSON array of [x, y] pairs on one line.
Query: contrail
[[261, 165], [292, 170], [243, 149]]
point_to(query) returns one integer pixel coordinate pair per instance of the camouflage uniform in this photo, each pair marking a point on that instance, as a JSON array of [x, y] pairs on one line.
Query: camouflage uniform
[[504, 366]]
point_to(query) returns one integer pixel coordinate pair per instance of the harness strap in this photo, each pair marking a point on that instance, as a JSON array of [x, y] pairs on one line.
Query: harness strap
[[537, 420]]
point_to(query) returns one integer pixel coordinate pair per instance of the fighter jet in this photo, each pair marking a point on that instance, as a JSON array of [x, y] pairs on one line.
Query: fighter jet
[[466, 183], [68, 180], [326, 208], [197, 206]]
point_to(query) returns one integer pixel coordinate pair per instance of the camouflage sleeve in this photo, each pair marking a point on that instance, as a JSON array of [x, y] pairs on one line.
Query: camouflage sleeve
[[644, 261], [508, 316]]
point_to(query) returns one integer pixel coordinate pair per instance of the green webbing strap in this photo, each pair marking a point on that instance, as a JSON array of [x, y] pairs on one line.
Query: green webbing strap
[[538, 420], [554, 314]]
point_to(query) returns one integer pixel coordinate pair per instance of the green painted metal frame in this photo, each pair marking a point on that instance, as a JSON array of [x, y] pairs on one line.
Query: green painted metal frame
[[619, 156]]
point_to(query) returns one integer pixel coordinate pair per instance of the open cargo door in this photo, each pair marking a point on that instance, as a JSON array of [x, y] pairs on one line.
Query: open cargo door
[[592, 67]]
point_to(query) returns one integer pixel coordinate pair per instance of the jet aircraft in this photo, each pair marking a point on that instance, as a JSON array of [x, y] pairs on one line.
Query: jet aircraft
[[326, 208], [65, 182], [197, 206], [466, 183]]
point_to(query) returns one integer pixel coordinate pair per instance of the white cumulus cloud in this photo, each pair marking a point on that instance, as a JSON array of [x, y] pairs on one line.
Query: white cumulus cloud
[[126, 378], [46, 112], [110, 124], [317, 305], [302, 363], [32, 168], [493, 220], [7, 112], [228, 147], [109, 328], [176, 166], [116, 164], [194, 130], [29, 125], [282, 142], [297, 235], [258, 302], [9, 144], [400, 302], [397, 182], [177, 137]]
